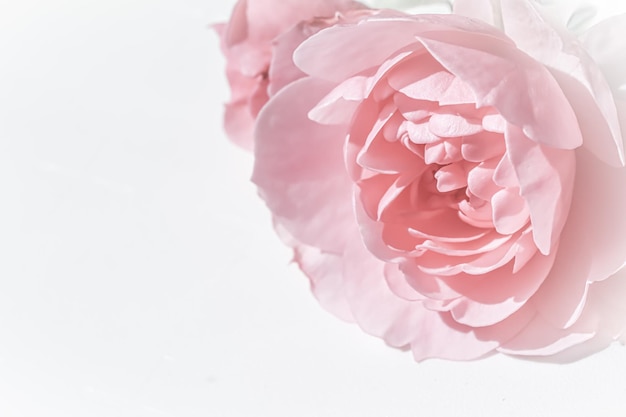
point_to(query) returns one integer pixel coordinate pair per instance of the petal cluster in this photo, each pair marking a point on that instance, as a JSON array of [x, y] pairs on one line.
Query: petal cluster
[[453, 183]]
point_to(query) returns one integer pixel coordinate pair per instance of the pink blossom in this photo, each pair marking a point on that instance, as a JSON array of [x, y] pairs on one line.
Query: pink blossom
[[256, 64], [453, 186]]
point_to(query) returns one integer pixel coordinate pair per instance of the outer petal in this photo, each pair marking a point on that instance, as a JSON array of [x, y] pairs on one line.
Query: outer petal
[[494, 299], [324, 272], [282, 69], [268, 18], [593, 242], [401, 322], [521, 89], [546, 179], [239, 124], [343, 51], [602, 321], [486, 10], [606, 43], [579, 77], [299, 168]]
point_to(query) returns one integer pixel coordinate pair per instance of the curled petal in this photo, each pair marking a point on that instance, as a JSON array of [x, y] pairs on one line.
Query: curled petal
[[546, 181]]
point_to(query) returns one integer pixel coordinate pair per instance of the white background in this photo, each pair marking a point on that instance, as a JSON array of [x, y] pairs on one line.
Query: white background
[[139, 274]]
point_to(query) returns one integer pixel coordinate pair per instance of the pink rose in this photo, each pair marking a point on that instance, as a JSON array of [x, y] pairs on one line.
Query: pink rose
[[453, 187], [256, 66]]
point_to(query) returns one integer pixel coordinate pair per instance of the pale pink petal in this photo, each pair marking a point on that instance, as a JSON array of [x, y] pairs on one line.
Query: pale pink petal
[[436, 264], [324, 271], [237, 29], [597, 117], [239, 125], [339, 105], [480, 180], [457, 93], [432, 287], [494, 123], [465, 343], [372, 232], [424, 80], [605, 312], [605, 42], [414, 110], [398, 284], [487, 243], [282, 70], [299, 168], [443, 152], [510, 211], [400, 322], [481, 147], [343, 51], [600, 322], [521, 89], [500, 294], [451, 177], [484, 10], [539, 338], [476, 212], [505, 175], [267, 19], [578, 75], [546, 181], [453, 125], [593, 242], [420, 133]]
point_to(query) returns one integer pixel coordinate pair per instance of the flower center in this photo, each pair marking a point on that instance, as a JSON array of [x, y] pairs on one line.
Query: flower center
[[434, 173]]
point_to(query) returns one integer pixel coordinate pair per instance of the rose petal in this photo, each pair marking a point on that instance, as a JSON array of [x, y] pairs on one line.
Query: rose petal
[[480, 180], [340, 52], [507, 87], [546, 181], [324, 271], [239, 125], [414, 110], [343, 51], [505, 175], [494, 123], [592, 245], [451, 177], [578, 75], [443, 152], [266, 21], [510, 211], [479, 9], [302, 177], [500, 294], [539, 338], [338, 107], [481, 147], [453, 125], [398, 284], [379, 312]]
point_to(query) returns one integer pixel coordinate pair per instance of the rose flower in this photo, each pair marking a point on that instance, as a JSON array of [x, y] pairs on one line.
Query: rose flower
[[454, 187], [257, 64]]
